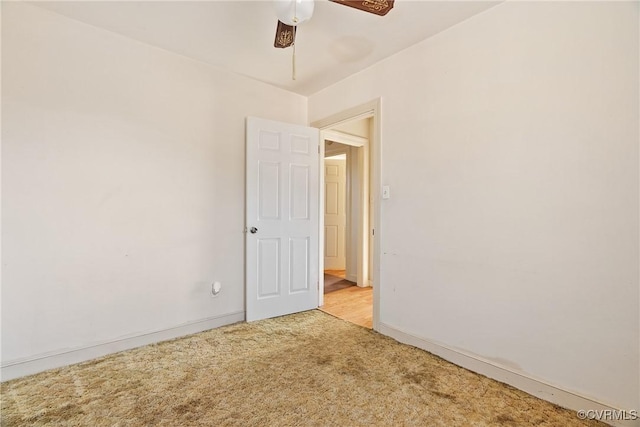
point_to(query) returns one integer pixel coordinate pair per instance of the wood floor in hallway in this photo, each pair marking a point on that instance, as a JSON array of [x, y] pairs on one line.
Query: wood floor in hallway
[[337, 273], [353, 304]]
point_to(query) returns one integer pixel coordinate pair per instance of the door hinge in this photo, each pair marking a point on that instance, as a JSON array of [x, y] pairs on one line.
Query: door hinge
[[373, 231], [318, 149]]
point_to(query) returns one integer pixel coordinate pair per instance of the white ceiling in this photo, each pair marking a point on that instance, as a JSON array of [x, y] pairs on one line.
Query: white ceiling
[[238, 35]]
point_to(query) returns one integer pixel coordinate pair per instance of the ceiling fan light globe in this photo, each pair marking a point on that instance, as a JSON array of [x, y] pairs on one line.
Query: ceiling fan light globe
[[293, 12]]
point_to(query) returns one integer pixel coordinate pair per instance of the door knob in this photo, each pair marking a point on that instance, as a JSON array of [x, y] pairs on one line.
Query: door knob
[[253, 230]]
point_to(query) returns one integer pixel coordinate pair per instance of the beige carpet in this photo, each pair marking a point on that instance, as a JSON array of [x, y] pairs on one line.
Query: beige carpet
[[307, 369]]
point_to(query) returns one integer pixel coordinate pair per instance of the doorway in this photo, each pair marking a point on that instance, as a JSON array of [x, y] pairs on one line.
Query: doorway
[[347, 250], [275, 270]]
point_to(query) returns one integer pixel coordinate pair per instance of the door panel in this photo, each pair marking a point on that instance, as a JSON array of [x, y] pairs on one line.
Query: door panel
[[299, 265], [268, 267], [300, 192], [281, 218], [269, 190]]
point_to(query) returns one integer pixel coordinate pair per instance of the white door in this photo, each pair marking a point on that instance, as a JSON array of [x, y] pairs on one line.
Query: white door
[[335, 218], [281, 218]]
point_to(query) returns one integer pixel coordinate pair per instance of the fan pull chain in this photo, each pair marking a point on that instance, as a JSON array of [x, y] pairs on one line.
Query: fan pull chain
[[293, 56], [293, 63]]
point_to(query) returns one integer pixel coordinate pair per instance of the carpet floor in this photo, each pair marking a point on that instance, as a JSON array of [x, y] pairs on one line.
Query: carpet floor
[[306, 369]]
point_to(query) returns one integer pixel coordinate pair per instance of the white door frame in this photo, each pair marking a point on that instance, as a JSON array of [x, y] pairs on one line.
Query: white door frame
[[371, 109], [361, 152], [357, 150]]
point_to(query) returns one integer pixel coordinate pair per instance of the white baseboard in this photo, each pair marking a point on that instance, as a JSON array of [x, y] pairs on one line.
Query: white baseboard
[[19, 368], [533, 386]]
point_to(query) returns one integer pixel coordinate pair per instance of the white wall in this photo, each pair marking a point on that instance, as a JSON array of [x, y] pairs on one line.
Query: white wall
[[122, 185], [510, 143]]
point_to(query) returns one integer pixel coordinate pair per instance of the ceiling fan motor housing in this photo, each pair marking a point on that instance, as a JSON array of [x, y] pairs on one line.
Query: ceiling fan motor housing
[[294, 12]]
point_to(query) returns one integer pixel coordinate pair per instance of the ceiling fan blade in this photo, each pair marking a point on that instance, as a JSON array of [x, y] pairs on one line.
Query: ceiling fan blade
[[377, 7], [285, 35]]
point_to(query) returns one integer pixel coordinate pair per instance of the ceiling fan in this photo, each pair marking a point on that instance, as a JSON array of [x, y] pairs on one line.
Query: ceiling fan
[[293, 12]]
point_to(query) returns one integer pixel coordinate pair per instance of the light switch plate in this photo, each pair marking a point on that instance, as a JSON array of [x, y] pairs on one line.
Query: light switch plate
[[386, 192]]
